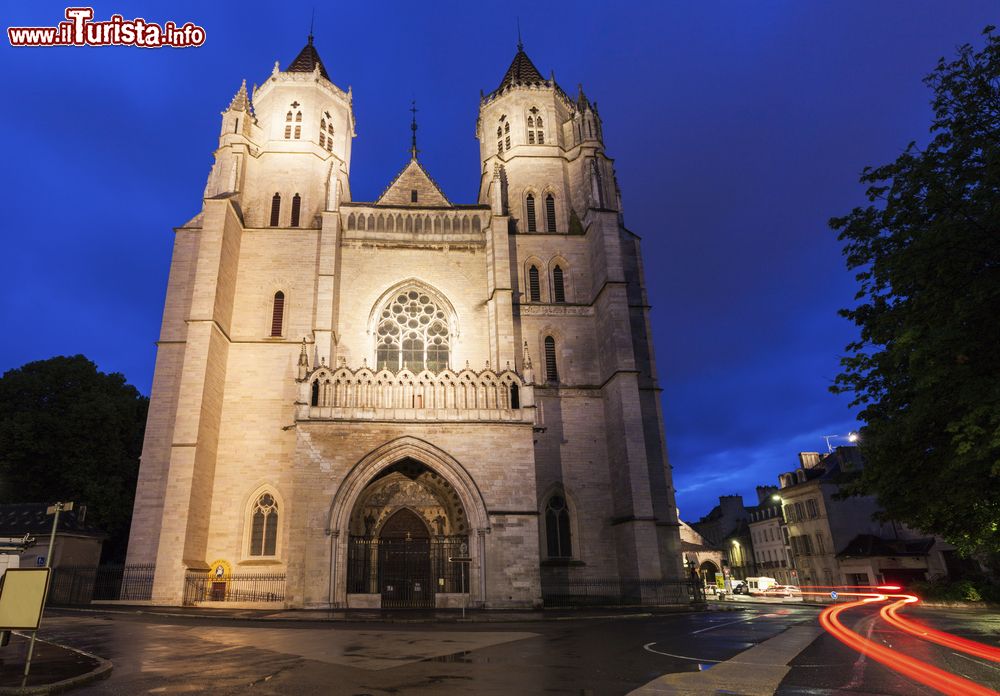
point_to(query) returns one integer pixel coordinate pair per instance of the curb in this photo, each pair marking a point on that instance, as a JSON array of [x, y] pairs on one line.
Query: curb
[[102, 671], [492, 619]]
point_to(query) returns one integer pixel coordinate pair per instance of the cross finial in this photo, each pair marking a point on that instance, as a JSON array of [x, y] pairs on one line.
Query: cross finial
[[413, 127], [520, 44], [312, 21]]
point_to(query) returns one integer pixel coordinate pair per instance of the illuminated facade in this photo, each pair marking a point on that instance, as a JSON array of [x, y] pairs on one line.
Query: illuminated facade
[[351, 393]]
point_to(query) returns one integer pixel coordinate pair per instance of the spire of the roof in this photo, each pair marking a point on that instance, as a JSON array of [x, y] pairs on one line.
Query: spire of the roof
[[413, 128], [240, 102], [582, 103], [521, 70], [307, 60]]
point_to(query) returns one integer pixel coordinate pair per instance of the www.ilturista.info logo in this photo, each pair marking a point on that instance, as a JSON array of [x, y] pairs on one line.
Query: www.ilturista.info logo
[[80, 30]]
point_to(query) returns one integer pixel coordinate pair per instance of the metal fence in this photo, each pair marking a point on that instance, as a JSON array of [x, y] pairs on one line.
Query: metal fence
[[84, 584], [240, 587], [615, 591]]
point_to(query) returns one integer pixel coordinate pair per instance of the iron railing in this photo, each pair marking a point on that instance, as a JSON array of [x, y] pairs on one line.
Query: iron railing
[[203, 586], [621, 591], [84, 584]]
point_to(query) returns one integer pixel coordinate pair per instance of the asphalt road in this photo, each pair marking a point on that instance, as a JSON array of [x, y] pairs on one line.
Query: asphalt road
[[165, 655]]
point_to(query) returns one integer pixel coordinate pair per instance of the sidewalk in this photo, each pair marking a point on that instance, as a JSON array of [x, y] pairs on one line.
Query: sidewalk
[[54, 668], [389, 616]]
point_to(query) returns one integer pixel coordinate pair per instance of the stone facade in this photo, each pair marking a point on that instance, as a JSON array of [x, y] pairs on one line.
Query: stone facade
[[484, 372]]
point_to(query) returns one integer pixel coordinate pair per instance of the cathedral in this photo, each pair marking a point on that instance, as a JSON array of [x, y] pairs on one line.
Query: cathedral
[[406, 401]]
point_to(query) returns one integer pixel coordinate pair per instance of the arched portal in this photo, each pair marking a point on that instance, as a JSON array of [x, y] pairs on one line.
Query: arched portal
[[405, 523]]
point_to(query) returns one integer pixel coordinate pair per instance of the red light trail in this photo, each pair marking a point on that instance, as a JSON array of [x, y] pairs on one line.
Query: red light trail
[[915, 669]]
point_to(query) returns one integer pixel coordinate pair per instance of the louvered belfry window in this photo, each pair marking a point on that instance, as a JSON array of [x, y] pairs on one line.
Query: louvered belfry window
[[550, 213], [558, 289], [534, 292], [551, 374], [278, 314], [275, 209], [529, 205], [296, 208]]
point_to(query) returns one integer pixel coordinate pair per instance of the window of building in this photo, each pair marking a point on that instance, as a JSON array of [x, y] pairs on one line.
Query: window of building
[[413, 196], [506, 136], [278, 314], [529, 212], [557, 529], [314, 401], [275, 209], [329, 132], [264, 526], [798, 512], [550, 213], [551, 373], [412, 334], [536, 135], [534, 291], [820, 545], [322, 132], [296, 207], [558, 289], [790, 513], [811, 508], [288, 125]]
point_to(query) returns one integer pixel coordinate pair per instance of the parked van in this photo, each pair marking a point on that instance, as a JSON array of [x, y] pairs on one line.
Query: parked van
[[759, 586]]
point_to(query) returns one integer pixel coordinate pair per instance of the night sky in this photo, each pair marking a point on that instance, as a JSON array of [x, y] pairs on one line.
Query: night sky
[[738, 129]]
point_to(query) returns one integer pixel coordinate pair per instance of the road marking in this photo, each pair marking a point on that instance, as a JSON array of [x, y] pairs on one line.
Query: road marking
[[971, 659], [754, 672], [730, 623], [679, 657]]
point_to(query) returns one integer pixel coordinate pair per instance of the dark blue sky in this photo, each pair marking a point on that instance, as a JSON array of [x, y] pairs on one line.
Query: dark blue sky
[[738, 130]]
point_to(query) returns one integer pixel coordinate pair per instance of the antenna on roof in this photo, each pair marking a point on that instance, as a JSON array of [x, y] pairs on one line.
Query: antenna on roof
[[520, 44]]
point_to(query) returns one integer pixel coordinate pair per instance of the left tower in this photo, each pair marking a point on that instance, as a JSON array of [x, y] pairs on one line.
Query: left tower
[[244, 290]]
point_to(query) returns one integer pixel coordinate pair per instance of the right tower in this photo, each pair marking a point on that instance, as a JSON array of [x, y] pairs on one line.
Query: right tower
[[578, 304]]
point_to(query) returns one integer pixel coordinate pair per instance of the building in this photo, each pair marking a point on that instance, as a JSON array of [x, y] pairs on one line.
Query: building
[[349, 393], [722, 519], [700, 555], [838, 541], [772, 551], [78, 542]]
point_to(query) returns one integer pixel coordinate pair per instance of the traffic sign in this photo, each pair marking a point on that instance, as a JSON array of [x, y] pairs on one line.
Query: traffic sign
[[833, 594], [459, 559]]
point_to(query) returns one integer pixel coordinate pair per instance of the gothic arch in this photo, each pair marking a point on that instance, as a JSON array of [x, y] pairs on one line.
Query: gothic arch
[[365, 471], [429, 290], [246, 514], [560, 261], [576, 543], [543, 280]]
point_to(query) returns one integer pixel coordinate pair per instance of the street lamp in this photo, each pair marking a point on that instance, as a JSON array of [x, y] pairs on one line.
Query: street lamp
[[850, 437]]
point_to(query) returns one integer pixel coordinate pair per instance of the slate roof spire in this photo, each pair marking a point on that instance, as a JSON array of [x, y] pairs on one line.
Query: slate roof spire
[[307, 60], [521, 70]]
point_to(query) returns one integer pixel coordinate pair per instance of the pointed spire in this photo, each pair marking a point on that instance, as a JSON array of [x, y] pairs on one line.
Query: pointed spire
[[303, 361], [527, 357], [521, 71], [582, 103], [520, 44], [240, 102], [308, 60], [413, 128]]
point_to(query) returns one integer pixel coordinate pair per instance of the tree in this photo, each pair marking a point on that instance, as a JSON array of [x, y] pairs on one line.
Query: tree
[[926, 368], [70, 432]]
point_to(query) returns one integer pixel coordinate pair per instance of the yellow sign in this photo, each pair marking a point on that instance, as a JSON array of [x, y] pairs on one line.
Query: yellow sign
[[22, 593], [221, 570]]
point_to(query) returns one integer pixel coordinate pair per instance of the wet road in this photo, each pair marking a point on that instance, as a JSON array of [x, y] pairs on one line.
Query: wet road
[[829, 667], [163, 655]]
